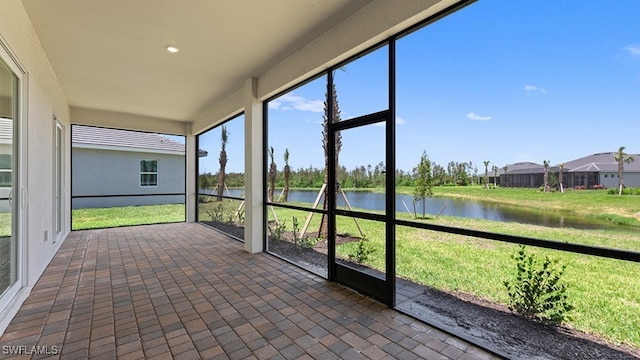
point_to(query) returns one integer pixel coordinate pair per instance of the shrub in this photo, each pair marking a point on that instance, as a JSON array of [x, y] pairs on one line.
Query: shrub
[[308, 242], [278, 230], [362, 251], [217, 213], [536, 291], [625, 191], [296, 228]]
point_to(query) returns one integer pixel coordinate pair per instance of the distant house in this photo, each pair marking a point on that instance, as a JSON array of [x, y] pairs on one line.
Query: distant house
[[522, 174], [6, 163], [596, 169], [121, 168]]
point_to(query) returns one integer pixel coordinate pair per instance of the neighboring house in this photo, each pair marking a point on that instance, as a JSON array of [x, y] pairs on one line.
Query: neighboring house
[[6, 162], [522, 174], [602, 169], [122, 168], [596, 169]]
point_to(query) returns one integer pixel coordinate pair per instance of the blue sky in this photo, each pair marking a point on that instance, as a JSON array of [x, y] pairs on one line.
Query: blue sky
[[503, 81]]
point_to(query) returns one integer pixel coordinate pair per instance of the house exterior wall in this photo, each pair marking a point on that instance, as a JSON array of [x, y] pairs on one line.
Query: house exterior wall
[[5, 148], [571, 180], [43, 97], [610, 179], [99, 172]]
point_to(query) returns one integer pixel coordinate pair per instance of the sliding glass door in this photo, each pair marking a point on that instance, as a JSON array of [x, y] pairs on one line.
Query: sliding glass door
[[9, 204]]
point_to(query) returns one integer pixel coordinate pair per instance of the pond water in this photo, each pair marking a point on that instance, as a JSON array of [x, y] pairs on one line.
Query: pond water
[[453, 207]]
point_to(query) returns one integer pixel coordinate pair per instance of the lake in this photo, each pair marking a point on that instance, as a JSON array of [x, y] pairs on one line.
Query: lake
[[451, 207]]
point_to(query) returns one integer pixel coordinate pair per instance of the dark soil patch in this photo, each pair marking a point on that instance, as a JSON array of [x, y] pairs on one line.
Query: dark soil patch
[[482, 322], [313, 259], [227, 228], [494, 327]]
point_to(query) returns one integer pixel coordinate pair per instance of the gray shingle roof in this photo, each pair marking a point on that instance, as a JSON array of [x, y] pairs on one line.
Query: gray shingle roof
[[602, 162], [89, 135], [592, 163], [523, 168]]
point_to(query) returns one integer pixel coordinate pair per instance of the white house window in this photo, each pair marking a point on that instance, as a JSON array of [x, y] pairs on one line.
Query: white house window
[[5, 170], [148, 172]]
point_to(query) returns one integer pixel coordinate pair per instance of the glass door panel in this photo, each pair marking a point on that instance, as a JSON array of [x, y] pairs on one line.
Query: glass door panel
[[362, 173], [361, 234], [58, 183], [8, 189]]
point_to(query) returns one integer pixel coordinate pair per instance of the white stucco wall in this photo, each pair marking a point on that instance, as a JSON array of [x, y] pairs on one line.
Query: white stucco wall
[[44, 97], [114, 172], [611, 179]]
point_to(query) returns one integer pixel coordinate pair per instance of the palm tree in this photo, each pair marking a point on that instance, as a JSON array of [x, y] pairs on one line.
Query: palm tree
[[333, 97], [546, 176], [273, 173], [224, 138], [486, 174], [621, 157], [505, 168], [495, 175], [287, 174], [560, 178]]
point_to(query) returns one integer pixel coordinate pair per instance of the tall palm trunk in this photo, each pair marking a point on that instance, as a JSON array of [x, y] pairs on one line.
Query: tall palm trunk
[[224, 138], [273, 173], [287, 175], [323, 230], [495, 176], [621, 157], [546, 176], [486, 174]]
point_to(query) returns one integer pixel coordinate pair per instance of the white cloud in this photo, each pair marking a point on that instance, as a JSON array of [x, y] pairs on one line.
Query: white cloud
[[474, 116], [634, 50], [532, 88], [294, 102]]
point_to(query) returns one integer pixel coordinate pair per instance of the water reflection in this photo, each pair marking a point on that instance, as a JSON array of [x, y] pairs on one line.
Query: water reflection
[[454, 207]]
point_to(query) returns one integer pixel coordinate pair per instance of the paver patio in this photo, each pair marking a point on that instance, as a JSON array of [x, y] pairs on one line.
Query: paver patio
[[186, 291]]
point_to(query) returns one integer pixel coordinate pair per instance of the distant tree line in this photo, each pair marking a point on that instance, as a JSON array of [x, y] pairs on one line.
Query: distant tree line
[[361, 177], [210, 181]]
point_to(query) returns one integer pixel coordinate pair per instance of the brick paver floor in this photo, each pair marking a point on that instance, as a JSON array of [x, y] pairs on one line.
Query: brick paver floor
[[185, 291]]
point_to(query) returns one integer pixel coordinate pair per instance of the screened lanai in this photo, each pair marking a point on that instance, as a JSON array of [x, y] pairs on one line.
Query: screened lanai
[[319, 120]]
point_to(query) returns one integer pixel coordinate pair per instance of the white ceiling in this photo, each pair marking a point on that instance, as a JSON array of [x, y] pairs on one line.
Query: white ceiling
[[110, 54]]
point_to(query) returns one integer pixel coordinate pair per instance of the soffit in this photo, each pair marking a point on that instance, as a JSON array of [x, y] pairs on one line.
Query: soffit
[[110, 55]]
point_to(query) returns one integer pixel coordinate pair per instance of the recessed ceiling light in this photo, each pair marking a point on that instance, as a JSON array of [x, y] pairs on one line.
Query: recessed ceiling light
[[172, 49]]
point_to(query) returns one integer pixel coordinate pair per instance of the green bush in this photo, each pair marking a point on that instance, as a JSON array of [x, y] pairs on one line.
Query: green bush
[[217, 213], [537, 292], [278, 230], [362, 251], [625, 191]]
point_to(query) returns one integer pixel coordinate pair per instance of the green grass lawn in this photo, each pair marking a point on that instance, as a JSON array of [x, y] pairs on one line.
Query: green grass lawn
[[83, 219], [588, 203], [226, 210], [605, 292], [5, 224]]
